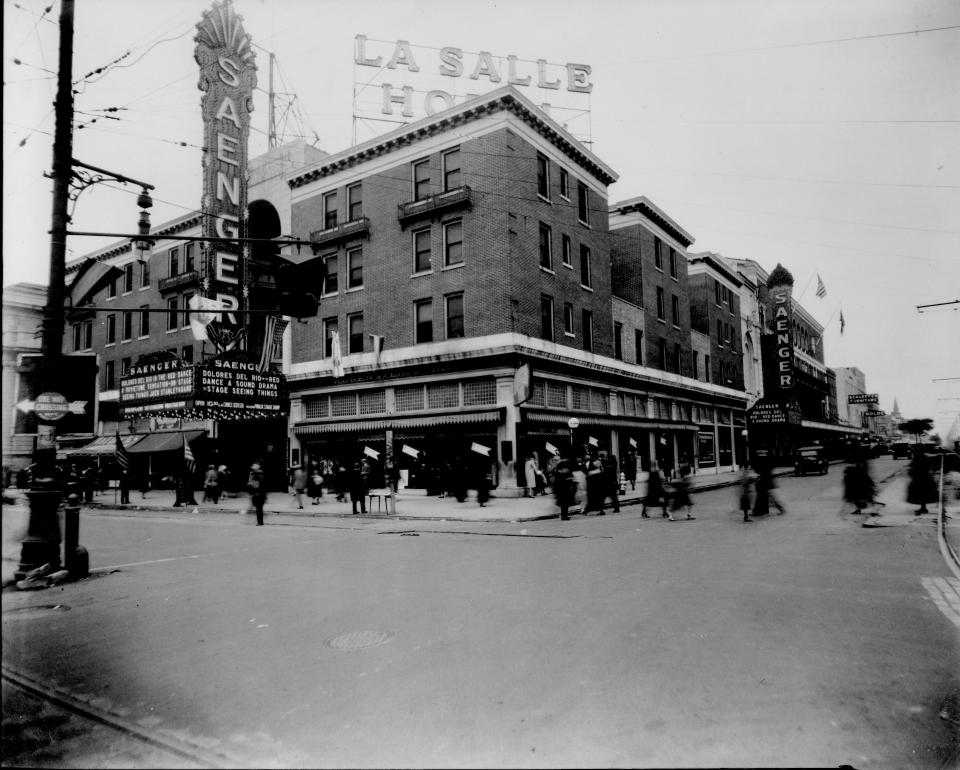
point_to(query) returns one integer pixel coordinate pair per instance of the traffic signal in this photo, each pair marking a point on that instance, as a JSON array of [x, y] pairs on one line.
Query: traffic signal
[[299, 286]]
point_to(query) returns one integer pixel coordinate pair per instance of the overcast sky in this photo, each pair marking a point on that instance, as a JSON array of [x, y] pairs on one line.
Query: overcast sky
[[822, 135]]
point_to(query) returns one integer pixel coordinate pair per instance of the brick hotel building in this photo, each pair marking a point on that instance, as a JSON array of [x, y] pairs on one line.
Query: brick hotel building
[[479, 246]]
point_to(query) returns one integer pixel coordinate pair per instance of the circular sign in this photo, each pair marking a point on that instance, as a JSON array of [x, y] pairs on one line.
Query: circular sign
[[50, 406], [573, 422]]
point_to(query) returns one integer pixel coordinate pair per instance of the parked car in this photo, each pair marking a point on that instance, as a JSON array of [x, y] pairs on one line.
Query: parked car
[[901, 449], [811, 459]]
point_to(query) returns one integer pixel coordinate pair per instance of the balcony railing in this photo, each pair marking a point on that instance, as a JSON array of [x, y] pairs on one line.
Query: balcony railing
[[355, 228], [434, 205], [191, 278]]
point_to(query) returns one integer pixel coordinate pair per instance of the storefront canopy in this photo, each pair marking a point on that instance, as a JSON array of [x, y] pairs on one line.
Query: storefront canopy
[[165, 442], [609, 421], [399, 423], [104, 445]]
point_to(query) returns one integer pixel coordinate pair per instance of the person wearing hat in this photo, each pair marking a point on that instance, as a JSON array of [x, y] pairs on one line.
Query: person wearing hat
[[299, 484], [258, 495]]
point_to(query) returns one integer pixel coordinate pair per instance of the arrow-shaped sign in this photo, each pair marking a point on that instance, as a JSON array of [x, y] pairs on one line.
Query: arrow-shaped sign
[[77, 407], [25, 406]]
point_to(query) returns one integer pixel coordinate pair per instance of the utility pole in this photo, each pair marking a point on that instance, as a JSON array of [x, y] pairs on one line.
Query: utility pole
[[271, 116], [41, 546]]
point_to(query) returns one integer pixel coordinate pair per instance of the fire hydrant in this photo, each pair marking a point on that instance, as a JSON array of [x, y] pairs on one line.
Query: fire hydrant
[[75, 557]]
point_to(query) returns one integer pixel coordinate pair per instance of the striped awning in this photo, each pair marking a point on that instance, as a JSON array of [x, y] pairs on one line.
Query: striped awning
[[165, 442], [607, 421], [398, 422], [105, 445]]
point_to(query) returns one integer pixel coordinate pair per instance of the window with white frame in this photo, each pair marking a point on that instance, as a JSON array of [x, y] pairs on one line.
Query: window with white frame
[[423, 321], [583, 203], [355, 332], [111, 329], [421, 251], [355, 269], [173, 262], [566, 250], [453, 243], [586, 328], [546, 318], [127, 327], [172, 304], [546, 257], [329, 210], [661, 302], [128, 278], [564, 184], [330, 284], [144, 320], [452, 176], [421, 179], [543, 176], [454, 312], [354, 202], [568, 319], [331, 328], [586, 270], [657, 253]]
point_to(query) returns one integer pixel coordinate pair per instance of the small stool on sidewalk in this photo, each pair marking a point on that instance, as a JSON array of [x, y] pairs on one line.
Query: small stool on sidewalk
[[381, 496]]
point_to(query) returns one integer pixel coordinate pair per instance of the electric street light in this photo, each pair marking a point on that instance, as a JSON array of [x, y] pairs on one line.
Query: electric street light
[[572, 423]]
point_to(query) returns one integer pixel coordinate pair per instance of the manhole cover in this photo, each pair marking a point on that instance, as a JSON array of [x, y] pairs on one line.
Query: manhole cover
[[33, 612], [359, 640]]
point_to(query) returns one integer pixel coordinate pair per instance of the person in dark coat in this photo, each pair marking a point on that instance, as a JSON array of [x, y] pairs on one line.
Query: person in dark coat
[[595, 486], [258, 494], [858, 487], [765, 485], [611, 480], [656, 494], [458, 479], [921, 489], [680, 499], [746, 488], [358, 489], [124, 487], [482, 476], [564, 488]]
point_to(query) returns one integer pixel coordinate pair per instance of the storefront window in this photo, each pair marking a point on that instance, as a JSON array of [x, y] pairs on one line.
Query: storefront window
[[726, 446], [706, 449]]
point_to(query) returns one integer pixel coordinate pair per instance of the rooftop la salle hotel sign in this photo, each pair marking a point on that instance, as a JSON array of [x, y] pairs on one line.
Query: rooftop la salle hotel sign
[[400, 65]]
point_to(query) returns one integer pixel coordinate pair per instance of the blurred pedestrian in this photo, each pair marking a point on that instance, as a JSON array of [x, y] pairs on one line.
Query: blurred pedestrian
[[530, 476], [595, 486], [564, 488], [211, 485], [358, 489], [746, 489], [482, 476], [124, 487], [680, 500], [580, 486], [458, 479], [611, 480], [256, 488], [315, 482], [299, 484], [921, 488], [764, 485], [656, 492], [858, 487]]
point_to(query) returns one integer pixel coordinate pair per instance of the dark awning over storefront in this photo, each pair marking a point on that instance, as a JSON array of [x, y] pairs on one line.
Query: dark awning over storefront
[[104, 445], [399, 423], [610, 421], [165, 442]]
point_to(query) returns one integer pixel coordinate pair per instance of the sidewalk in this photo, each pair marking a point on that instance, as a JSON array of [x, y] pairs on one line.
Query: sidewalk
[[409, 505]]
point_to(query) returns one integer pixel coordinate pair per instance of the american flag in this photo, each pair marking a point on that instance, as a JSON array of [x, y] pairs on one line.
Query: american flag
[[188, 456], [121, 454], [842, 322], [272, 339], [821, 289]]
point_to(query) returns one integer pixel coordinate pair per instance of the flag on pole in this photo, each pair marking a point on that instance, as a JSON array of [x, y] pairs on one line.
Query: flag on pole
[[480, 449], [409, 450], [842, 322], [188, 456], [821, 289], [373, 453], [592, 441], [335, 356], [552, 449], [121, 454], [272, 340], [633, 443], [203, 311]]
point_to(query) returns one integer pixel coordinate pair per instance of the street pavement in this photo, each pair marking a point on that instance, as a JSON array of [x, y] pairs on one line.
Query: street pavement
[[339, 641]]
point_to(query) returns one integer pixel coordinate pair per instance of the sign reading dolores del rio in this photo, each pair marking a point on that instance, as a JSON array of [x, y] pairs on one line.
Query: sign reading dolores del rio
[[221, 388]]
